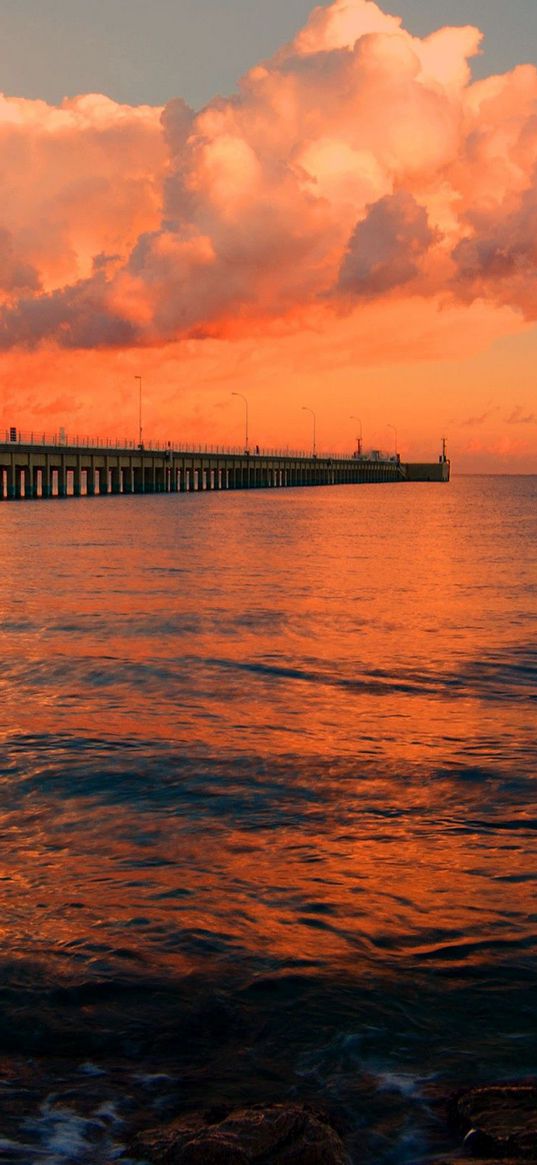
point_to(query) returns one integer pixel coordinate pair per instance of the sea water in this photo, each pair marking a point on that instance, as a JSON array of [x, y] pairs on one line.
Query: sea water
[[267, 794]]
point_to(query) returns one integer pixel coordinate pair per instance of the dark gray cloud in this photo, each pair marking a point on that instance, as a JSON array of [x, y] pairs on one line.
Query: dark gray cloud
[[520, 417], [499, 258], [385, 248], [73, 317], [481, 419], [15, 274]]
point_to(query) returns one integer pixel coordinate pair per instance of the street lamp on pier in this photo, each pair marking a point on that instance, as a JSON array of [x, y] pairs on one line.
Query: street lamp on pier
[[358, 439], [306, 409], [246, 446], [395, 437], [140, 436]]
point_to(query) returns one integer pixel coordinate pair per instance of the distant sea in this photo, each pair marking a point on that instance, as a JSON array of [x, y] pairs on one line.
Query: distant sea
[[268, 823]]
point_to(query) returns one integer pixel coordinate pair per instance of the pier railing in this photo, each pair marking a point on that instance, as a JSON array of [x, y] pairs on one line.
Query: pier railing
[[61, 439]]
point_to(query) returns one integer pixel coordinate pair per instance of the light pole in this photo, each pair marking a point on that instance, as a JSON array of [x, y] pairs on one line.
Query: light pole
[[246, 449], [395, 437], [140, 437], [358, 439], [305, 409]]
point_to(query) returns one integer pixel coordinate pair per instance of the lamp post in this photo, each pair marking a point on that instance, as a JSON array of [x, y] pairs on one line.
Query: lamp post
[[395, 437], [246, 449], [306, 409], [140, 437], [358, 439]]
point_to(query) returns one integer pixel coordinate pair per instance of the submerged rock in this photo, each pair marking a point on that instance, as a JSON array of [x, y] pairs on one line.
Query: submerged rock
[[276, 1134], [498, 1121]]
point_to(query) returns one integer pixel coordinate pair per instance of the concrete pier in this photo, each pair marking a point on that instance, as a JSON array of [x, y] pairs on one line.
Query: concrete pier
[[53, 468]]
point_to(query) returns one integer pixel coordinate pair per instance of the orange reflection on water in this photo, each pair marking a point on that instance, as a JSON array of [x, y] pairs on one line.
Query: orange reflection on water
[[285, 724]]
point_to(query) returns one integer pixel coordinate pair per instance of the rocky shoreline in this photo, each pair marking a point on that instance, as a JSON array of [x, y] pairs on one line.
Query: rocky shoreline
[[497, 1122], [276, 1134], [494, 1123]]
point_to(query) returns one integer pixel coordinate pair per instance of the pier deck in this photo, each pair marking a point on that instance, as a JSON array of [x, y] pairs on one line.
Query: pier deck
[[51, 468]]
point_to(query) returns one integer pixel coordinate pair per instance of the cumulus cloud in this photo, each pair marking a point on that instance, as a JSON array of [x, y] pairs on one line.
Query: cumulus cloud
[[76, 181], [359, 162], [74, 317], [499, 258], [385, 248], [15, 273]]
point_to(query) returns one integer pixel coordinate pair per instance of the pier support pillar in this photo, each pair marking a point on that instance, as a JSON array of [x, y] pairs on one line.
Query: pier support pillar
[[12, 482], [102, 474], [46, 482], [29, 481], [90, 482]]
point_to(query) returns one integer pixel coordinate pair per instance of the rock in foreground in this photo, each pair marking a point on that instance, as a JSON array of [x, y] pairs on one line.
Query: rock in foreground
[[499, 1121], [276, 1134]]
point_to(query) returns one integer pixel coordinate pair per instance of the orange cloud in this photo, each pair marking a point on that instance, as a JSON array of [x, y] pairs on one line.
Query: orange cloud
[[359, 161], [358, 170], [79, 182]]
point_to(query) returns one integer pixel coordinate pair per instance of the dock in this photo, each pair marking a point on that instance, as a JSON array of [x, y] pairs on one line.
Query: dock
[[45, 467]]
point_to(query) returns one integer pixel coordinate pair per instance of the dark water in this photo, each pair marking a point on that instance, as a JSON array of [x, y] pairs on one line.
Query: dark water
[[268, 821]]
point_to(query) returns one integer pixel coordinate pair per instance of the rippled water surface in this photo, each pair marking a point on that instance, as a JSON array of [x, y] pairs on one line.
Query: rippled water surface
[[267, 789]]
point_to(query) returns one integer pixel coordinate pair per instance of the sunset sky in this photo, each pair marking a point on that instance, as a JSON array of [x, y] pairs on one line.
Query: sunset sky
[[330, 207]]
